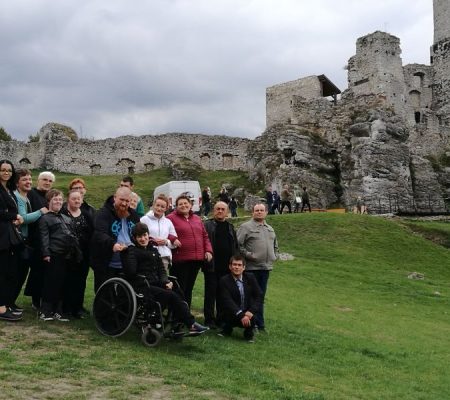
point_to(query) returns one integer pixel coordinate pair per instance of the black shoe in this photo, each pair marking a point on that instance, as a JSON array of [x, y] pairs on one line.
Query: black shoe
[[16, 308], [9, 316], [60, 318], [14, 311], [46, 317], [211, 324]]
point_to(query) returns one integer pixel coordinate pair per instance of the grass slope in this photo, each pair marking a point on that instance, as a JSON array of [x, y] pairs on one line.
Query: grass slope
[[344, 323]]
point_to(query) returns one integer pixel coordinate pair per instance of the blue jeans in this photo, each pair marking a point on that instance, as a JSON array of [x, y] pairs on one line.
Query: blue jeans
[[262, 277]]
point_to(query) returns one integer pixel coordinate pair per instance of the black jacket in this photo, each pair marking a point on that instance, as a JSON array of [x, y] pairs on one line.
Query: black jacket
[[85, 240], [8, 213], [37, 201], [231, 298], [210, 226], [145, 261], [106, 229], [57, 236]]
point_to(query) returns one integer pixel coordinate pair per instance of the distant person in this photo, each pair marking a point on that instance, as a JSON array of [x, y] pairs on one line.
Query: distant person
[[275, 202], [241, 299], [206, 200], [38, 200], [258, 244], [194, 249], [269, 199], [233, 207], [360, 205], [112, 234], [297, 199], [162, 232], [134, 200], [222, 236], [305, 200], [286, 198], [223, 195], [128, 181]]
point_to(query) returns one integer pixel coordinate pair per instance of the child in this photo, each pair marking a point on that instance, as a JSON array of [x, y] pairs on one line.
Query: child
[[58, 245], [144, 259]]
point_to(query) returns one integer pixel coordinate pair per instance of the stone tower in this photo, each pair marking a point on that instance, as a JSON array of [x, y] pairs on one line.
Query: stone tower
[[440, 61]]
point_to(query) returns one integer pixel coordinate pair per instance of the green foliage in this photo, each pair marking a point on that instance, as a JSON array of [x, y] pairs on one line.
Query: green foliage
[[4, 136], [33, 138]]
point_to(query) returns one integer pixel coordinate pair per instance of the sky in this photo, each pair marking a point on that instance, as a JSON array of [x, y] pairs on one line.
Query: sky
[[108, 68]]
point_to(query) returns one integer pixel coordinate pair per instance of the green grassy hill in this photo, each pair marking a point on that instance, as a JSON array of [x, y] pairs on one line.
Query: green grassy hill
[[343, 319]]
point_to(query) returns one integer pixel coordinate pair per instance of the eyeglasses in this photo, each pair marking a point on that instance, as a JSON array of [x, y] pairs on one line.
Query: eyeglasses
[[6, 171], [77, 187]]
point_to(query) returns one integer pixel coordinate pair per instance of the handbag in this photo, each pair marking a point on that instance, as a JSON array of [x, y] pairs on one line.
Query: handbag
[[15, 237], [298, 199]]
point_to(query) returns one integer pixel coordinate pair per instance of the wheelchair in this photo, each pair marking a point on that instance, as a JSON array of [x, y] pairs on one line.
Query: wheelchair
[[117, 307]]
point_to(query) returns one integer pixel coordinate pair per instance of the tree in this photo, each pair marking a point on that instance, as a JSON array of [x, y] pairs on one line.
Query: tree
[[4, 136]]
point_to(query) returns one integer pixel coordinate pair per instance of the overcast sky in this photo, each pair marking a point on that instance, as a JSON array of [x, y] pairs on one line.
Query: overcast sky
[[113, 67]]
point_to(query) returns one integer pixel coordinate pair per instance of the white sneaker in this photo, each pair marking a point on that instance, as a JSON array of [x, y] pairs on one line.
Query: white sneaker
[[59, 317]]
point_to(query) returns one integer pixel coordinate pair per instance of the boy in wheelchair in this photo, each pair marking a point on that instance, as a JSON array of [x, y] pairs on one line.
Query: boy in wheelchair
[[145, 271]]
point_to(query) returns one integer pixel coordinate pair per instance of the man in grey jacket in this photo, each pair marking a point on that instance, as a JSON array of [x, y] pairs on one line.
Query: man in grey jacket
[[258, 244]]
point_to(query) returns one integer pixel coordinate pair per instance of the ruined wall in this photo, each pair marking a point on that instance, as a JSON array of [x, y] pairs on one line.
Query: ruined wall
[[279, 98], [125, 154]]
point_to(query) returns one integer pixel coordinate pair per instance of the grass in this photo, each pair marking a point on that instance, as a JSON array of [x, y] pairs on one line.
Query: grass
[[344, 322]]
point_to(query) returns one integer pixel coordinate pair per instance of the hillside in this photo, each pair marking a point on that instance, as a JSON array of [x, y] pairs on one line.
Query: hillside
[[344, 322]]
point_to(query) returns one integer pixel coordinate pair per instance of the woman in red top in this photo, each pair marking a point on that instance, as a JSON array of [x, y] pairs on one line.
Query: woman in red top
[[195, 247]]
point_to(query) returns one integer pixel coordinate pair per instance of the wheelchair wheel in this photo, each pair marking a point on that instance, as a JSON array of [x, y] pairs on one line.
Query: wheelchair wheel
[[114, 308], [150, 337]]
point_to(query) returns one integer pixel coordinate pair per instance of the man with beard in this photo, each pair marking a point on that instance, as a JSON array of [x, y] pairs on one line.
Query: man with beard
[[38, 201], [112, 234]]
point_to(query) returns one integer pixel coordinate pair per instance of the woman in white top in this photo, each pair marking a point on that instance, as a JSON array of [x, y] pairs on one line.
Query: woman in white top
[[162, 231]]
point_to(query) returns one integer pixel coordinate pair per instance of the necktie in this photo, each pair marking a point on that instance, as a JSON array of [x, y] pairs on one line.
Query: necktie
[[240, 286]]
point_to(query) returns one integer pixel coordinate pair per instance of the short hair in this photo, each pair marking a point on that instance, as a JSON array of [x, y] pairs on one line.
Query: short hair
[[47, 174], [53, 193], [139, 229], [75, 181], [22, 172], [238, 257], [182, 196], [259, 204], [162, 197], [128, 179], [74, 191]]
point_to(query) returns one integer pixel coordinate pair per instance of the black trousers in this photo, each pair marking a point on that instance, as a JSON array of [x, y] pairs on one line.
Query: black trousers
[[75, 286], [23, 267], [8, 275], [231, 321], [54, 276], [186, 273], [168, 298], [35, 281], [285, 203], [211, 305]]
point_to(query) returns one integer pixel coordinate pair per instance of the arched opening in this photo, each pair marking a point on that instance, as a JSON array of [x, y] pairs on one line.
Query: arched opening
[[417, 117], [95, 169], [227, 161], [205, 161]]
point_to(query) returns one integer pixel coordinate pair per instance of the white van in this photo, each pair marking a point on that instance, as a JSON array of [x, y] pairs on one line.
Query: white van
[[173, 189]]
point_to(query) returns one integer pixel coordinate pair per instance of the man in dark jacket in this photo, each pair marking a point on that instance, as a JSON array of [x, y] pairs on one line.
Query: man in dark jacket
[[241, 299], [223, 239], [112, 234]]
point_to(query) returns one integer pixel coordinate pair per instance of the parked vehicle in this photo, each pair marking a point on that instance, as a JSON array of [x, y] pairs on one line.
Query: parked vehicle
[[173, 189]]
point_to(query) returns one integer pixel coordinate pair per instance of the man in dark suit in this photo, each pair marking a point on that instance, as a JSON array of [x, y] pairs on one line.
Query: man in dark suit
[[241, 298]]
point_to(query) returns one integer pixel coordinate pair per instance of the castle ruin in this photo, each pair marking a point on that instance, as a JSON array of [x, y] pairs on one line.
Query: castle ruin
[[385, 138]]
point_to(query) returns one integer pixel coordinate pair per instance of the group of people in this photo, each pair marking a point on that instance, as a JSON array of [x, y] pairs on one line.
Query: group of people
[[48, 242], [44, 245], [277, 202], [223, 196]]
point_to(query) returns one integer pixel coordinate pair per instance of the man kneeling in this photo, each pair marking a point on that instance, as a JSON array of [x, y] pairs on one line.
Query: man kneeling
[[241, 299], [143, 260]]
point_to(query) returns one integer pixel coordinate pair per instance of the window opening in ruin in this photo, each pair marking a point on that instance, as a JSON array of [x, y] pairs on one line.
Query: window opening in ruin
[[130, 170], [24, 162], [417, 117], [227, 160]]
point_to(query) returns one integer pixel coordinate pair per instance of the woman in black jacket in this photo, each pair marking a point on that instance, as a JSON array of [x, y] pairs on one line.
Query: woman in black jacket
[[143, 260], [9, 243], [59, 246]]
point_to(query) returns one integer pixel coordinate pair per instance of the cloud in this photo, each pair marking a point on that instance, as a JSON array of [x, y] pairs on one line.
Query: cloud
[[111, 67]]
